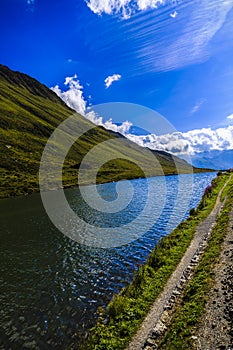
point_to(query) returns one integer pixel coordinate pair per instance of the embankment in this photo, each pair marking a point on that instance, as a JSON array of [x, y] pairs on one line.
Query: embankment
[[124, 316]]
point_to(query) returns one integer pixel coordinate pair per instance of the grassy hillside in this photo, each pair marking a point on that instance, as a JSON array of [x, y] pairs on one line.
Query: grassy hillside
[[29, 112]]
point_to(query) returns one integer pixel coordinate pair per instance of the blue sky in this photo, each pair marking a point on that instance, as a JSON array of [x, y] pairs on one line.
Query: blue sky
[[175, 57]]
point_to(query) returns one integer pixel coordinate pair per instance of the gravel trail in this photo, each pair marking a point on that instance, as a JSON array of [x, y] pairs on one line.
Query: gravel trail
[[215, 331], [154, 325]]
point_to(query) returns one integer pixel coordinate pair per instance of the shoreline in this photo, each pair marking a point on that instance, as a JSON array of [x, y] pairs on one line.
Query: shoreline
[[70, 186], [177, 284], [122, 319]]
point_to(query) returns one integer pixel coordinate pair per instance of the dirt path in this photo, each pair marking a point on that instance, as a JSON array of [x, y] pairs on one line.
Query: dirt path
[[215, 331], [154, 324]]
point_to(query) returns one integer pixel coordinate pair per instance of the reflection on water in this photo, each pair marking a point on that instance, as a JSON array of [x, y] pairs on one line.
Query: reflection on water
[[51, 286]]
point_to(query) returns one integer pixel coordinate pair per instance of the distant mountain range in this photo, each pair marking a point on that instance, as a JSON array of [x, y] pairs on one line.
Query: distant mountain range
[[219, 160], [30, 112], [213, 159]]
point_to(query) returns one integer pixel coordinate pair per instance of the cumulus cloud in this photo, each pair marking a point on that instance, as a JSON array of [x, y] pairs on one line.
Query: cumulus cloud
[[74, 98], [146, 4], [190, 142], [110, 79], [178, 143], [123, 7], [123, 128]]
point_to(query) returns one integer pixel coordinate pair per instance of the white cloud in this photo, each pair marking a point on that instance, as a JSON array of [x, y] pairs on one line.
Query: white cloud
[[122, 129], [191, 46], [174, 14], [73, 97], [98, 120], [170, 45], [190, 142], [230, 116], [109, 7], [146, 4], [161, 44], [110, 79], [123, 7], [181, 144], [198, 105], [109, 125]]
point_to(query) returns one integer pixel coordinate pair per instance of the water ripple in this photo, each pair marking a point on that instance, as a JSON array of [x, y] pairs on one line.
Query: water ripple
[[51, 286]]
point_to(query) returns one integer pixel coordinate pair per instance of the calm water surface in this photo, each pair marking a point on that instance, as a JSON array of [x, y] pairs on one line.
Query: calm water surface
[[51, 286]]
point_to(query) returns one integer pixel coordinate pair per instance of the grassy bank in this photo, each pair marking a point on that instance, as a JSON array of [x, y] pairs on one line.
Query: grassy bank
[[187, 315], [125, 313]]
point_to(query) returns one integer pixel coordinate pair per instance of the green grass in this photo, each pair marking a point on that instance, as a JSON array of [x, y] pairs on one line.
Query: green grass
[[188, 314], [30, 112], [127, 310]]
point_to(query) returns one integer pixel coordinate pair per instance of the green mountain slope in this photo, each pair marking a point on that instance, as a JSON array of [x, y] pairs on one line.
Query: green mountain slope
[[29, 113]]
